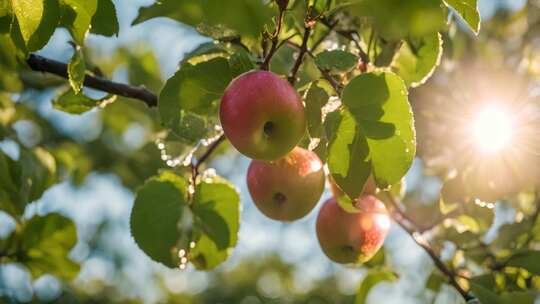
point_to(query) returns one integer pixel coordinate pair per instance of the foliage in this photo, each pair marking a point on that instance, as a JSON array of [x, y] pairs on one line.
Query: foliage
[[363, 69]]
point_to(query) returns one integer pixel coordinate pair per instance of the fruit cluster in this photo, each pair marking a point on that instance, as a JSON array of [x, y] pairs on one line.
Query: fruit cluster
[[263, 117]]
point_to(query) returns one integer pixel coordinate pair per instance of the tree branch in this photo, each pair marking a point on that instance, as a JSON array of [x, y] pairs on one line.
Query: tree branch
[[211, 148], [46, 65], [424, 244], [303, 51], [348, 35]]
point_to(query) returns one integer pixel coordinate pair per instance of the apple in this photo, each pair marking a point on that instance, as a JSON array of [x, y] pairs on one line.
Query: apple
[[262, 115], [370, 187], [289, 188], [352, 238]]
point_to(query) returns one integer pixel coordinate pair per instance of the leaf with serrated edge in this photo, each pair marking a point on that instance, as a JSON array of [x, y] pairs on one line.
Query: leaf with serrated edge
[[378, 101], [416, 63]]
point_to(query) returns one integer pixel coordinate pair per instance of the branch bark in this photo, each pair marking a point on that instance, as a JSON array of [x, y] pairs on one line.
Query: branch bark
[[46, 65], [302, 52], [424, 244]]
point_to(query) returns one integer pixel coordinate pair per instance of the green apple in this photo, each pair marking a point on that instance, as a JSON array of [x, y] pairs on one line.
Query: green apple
[[352, 238], [289, 188], [262, 115]]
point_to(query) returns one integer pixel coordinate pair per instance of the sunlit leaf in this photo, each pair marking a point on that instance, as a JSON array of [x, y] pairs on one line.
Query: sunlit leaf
[[77, 17], [245, 16], [216, 208], [158, 208], [379, 104], [468, 10], [348, 153], [77, 70], [417, 59], [73, 103], [37, 21]]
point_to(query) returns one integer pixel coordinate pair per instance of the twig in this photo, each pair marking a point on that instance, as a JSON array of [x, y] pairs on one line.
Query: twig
[[323, 37], [303, 51], [42, 64], [213, 146], [337, 87], [348, 35], [424, 244], [275, 36]]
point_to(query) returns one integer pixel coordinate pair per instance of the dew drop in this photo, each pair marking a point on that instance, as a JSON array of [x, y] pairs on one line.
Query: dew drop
[[181, 253]]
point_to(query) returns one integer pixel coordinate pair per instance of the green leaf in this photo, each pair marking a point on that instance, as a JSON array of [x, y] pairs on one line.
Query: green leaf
[[37, 21], [435, 281], [315, 99], [393, 19], [77, 17], [336, 61], [77, 70], [348, 153], [379, 104], [527, 259], [205, 52], [417, 59], [216, 208], [73, 103], [25, 180], [468, 10], [10, 183], [190, 127], [195, 88], [46, 243], [485, 295], [105, 21], [370, 280], [9, 78], [240, 63], [5, 8], [247, 17], [158, 208], [523, 297]]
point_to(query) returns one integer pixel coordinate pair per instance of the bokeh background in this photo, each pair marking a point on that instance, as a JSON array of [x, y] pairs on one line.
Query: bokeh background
[[273, 262]]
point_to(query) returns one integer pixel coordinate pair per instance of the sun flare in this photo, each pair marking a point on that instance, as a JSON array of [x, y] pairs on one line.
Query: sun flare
[[492, 129]]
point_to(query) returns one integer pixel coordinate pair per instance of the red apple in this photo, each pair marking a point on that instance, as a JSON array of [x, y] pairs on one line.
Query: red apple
[[352, 238], [289, 188], [262, 115]]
